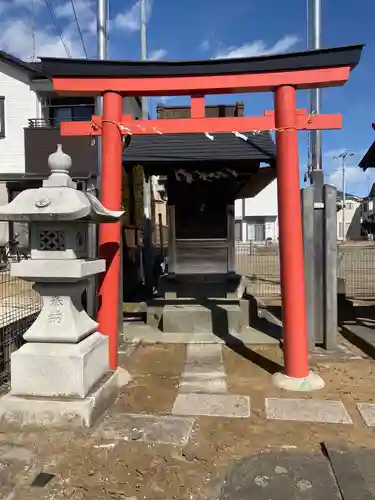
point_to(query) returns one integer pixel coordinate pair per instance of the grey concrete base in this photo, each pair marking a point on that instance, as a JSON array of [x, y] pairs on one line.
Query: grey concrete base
[[59, 370], [312, 382], [367, 411], [62, 412], [147, 335], [221, 319], [212, 405], [145, 428], [307, 410]]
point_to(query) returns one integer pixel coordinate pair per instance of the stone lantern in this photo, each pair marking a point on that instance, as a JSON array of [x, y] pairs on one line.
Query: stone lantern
[[63, 366]]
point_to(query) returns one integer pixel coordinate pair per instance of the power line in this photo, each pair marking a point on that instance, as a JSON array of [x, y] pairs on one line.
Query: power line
[[58, 29], [79, 28]]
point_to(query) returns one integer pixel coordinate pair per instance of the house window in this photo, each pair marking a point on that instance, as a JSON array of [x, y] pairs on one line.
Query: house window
[[237, 227], [256, 232], [2, 116], [72, 113]]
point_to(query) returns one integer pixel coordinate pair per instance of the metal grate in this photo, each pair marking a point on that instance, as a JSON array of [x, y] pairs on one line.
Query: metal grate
[[19, 307]]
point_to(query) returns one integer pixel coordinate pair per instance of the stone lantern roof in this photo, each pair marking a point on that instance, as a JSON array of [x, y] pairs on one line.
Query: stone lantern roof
[[58, 199]]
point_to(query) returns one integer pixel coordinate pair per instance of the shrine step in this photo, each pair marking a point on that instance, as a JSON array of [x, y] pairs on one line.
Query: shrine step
[[220, 319]]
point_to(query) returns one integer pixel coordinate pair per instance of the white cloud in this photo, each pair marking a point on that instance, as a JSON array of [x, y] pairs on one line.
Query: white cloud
[[16, 29], [25, 3], [157, 55], [129, 20], [85, 10], [16, 38], [205, 45], [355, 178], [257, 48]]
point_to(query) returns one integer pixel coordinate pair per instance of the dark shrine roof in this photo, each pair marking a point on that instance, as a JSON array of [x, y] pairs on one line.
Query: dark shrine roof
[[311, 59], [368, 161], [157, 150]]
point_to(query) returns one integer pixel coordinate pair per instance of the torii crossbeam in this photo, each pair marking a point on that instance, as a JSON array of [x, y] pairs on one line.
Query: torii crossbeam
[[283, 75]]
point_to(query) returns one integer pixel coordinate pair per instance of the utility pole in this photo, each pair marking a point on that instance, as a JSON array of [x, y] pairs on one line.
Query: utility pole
[[147, 181], [143, 18], [343, 157], [315, 150], [102, 53]]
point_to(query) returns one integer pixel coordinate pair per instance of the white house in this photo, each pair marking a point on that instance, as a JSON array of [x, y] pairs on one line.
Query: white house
[[257, 217], [30, 114], [351, 218]]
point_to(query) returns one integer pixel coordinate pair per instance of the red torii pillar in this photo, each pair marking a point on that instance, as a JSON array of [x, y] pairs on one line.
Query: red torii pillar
[[286, 120]]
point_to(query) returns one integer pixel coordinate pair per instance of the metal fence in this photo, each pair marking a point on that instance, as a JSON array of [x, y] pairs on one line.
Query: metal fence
[[260, 264], [356, 264], [19, 306]]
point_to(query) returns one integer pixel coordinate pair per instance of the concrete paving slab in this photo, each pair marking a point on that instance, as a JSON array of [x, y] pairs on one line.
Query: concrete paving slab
[[199, 386], [348, 472], [15, 461], [212, 405], [280, 476], [145, 428], [204, 355], [204, 370], [307, 410], [367, 412]]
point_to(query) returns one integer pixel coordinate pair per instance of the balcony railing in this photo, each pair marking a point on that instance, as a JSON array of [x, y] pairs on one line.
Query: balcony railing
[[43, 123], [47, 122]]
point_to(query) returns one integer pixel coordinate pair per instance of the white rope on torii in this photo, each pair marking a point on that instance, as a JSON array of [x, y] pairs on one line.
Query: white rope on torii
[[184, 175]]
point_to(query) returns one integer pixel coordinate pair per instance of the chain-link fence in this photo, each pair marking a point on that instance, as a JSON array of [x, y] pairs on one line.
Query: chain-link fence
[[19, 306], [356, 264], [260, 264]]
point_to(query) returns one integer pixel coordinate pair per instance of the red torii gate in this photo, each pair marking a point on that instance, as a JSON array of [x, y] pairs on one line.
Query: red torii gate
[[286, 120]]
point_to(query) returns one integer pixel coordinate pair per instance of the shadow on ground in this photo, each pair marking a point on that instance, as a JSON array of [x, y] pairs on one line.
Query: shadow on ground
[[335, 472], [357, 323]]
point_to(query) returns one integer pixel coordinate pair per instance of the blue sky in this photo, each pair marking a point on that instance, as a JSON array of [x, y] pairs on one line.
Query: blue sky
[[200, 29]]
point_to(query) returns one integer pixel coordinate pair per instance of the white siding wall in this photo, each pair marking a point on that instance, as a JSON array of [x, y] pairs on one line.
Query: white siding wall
[[264, 204], [21, 103], [238, 209], [352, 221], [261, 209]]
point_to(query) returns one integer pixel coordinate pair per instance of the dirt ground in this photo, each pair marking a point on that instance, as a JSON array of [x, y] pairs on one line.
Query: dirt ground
[[85, 467]]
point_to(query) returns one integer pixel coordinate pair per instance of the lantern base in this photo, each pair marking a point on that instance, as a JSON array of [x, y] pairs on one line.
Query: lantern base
[[63, 413], [59, 370]]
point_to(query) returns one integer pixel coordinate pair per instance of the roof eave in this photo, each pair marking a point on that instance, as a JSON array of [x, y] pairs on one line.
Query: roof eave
[[18, 63], [368, 161], [314, 59]]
